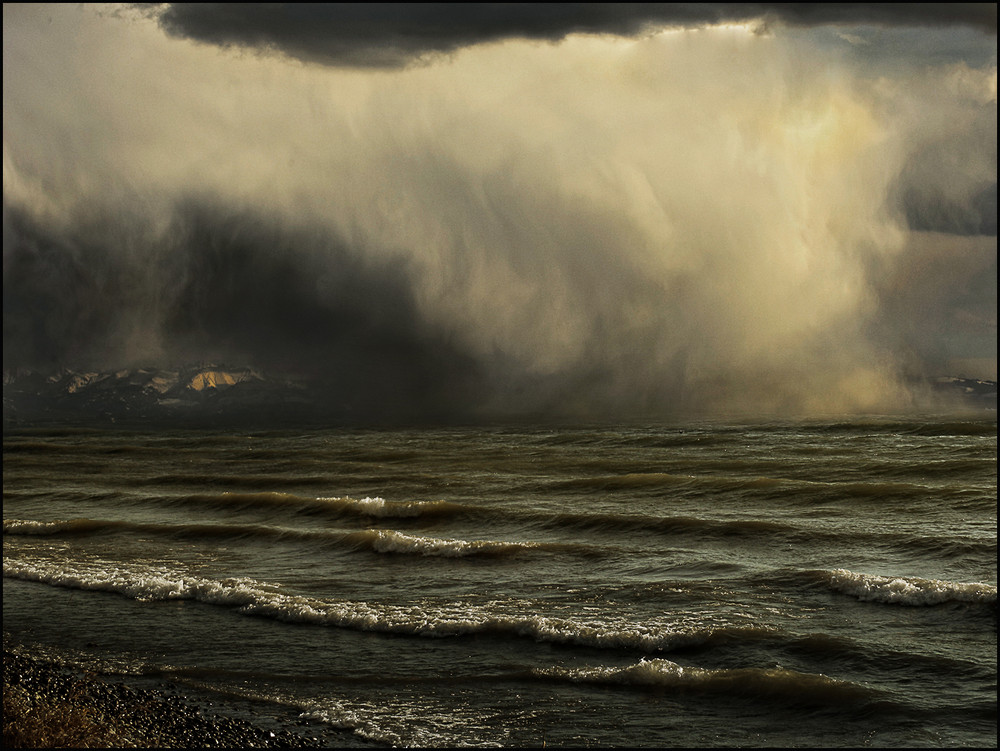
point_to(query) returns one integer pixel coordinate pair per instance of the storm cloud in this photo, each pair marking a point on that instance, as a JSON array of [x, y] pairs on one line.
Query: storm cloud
[[632, 223], [224, 286], [394, 34]]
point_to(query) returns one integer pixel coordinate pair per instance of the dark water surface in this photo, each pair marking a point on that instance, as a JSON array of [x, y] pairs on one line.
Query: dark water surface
[[788, 584]]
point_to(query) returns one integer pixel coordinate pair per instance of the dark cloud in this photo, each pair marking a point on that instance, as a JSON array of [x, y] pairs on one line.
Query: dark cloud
[[227, 286], [393, 34], [235, 287], [938, 304], [589, 229], [929, 211], [948, 183]]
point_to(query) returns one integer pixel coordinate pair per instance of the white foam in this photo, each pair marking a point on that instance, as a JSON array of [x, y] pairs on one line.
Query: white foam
[[389, 541], [662, 673], [645, 672], [380, 507], [30, 527], [419, 723], [425, 618], [374, 506], [909, 590]]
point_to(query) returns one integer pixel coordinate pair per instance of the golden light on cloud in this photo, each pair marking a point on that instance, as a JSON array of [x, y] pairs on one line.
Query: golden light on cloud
[[714, 199]]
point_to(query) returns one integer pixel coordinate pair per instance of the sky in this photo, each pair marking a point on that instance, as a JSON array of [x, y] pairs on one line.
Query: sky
[[607, 211]]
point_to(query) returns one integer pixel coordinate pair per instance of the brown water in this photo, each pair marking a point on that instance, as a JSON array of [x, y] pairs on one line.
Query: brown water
[[827, 583]]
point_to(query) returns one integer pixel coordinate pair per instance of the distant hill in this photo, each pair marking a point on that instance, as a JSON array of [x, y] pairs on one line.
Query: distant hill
[[220, 396], [193, 395], [974, 392]]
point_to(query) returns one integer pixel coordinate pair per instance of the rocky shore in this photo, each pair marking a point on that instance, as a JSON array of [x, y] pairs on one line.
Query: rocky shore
[[51, 705]]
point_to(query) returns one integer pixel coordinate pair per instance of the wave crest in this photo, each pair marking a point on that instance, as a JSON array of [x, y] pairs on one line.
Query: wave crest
[[908, 590], [382, 508], [251, 597], [31, 527], [751, 682], [390, 541]]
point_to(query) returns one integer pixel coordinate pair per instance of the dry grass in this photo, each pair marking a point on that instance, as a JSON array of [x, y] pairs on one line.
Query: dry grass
[[31, 721]]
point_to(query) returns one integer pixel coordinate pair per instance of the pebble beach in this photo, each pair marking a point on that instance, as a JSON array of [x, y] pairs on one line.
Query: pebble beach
[[50, 704]]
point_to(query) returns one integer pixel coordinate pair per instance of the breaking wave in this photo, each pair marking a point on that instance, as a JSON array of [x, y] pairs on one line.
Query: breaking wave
[[798, 688], [389, 541], [72, 526], [907, 590], [382, 508], [427, 619], [374, 540], [339, 506]]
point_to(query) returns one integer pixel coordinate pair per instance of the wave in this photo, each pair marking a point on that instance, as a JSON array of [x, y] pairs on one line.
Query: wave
[[71, 527], [906, 590], [389, 541], [958, 427], [332, 506], [424, 619], [677, 525], [927, 427], [787, 685], [382, 508], [37, 447], [794, 490], [696, 482], [374, 540], [337, 505], [232, 480], [626, 481]]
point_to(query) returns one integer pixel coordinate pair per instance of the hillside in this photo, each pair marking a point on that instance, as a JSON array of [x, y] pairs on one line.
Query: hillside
[[216, 395]]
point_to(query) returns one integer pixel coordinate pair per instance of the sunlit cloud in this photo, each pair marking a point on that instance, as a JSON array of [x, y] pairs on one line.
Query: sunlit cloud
[[710, 220]]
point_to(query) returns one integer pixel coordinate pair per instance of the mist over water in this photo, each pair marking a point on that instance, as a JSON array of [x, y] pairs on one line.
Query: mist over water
[[697, 221]]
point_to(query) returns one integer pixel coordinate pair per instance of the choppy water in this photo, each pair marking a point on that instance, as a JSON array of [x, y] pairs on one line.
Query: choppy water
[[809, 583]]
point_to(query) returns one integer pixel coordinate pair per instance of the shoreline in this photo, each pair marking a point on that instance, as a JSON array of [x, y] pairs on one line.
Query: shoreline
[[48, 704]]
